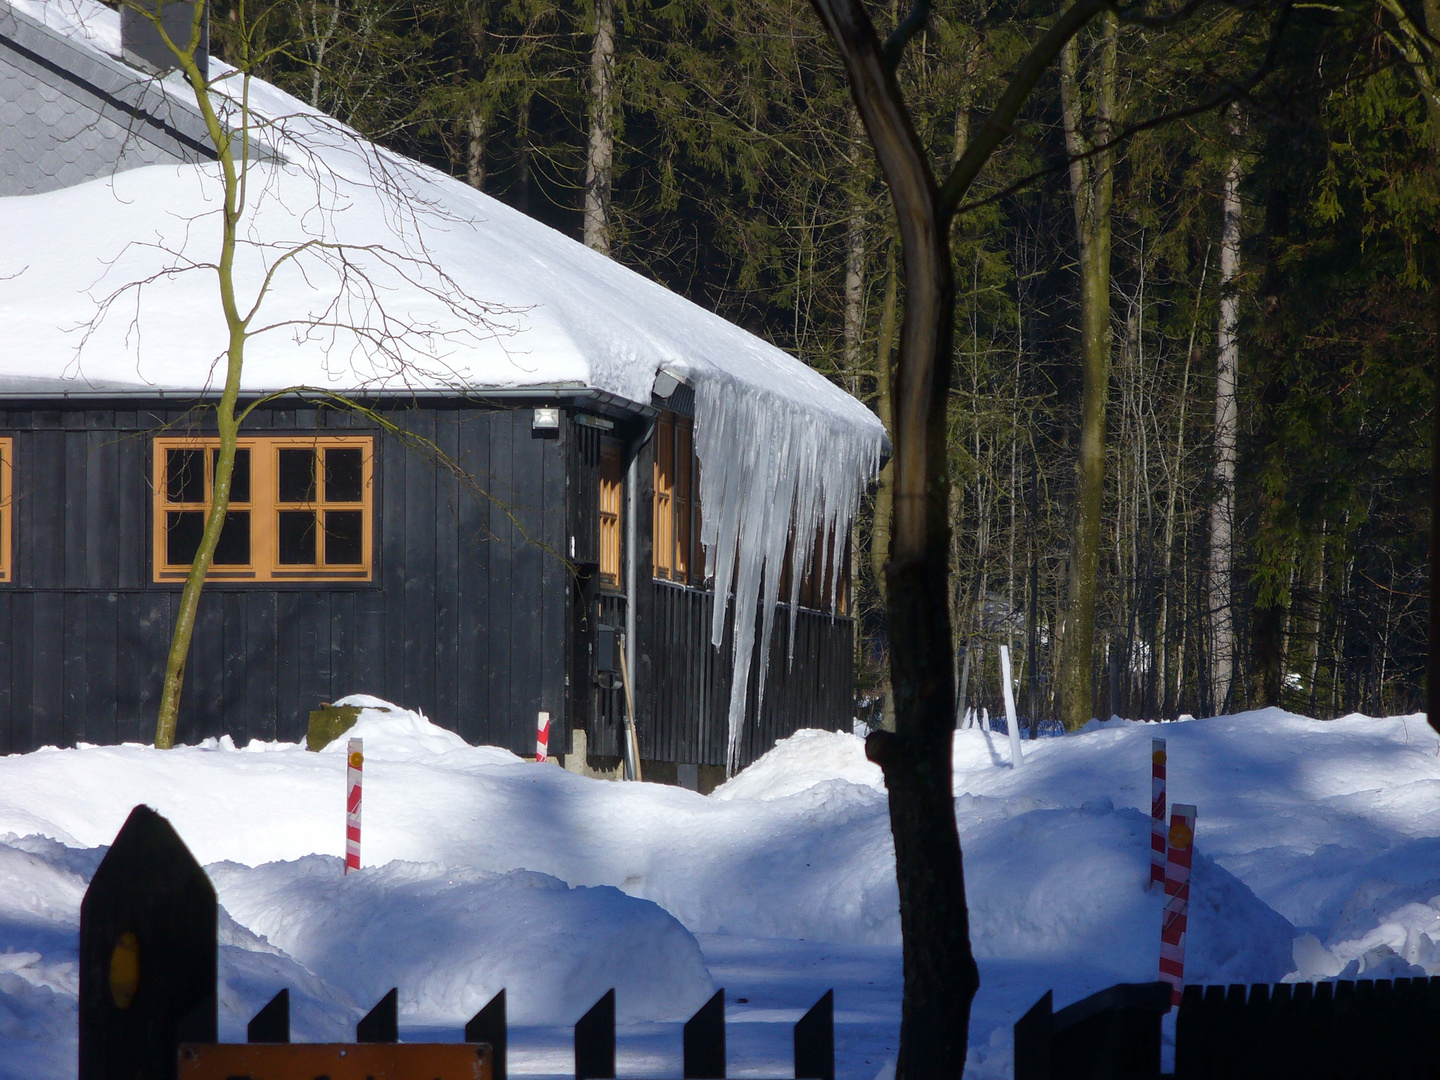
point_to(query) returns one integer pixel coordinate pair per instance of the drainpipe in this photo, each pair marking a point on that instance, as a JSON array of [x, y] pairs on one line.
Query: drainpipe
[[632, 577]]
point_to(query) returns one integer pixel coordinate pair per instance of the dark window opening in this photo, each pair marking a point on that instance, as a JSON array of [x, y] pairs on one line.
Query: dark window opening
[[344, 537], [297, 537], [185, 476], [297, 476], [344, 475]]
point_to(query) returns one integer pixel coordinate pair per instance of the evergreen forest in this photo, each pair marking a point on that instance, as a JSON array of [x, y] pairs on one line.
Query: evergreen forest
[[1243, 193]]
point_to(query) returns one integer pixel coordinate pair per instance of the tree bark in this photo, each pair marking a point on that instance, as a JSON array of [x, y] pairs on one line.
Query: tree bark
[[1092, 187], [855, 265], [940, 972], [477, 118], [600, 160], [1222, 509], [232, 167]]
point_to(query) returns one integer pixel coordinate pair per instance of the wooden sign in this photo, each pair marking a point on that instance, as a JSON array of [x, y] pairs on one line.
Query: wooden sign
[[335, 1061], [147, 954]]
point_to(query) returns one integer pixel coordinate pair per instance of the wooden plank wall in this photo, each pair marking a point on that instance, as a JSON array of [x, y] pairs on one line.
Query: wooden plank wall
[[691, 690], [466, 619]]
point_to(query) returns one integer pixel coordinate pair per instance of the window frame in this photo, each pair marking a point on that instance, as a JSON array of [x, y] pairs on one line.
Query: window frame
[[676, 553], [7, 509], [265, 507], [611, 524]]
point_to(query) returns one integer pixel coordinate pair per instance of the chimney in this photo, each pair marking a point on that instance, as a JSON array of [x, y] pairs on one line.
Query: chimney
[[142, 44]]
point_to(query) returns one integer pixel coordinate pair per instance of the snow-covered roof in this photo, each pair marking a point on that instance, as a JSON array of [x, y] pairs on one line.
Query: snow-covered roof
[[476, 294], [372, 273]]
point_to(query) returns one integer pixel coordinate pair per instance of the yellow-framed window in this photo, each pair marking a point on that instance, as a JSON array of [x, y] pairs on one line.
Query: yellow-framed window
[[7, 508], [663, 519], [678, 555], [301, 508], [612, 491]]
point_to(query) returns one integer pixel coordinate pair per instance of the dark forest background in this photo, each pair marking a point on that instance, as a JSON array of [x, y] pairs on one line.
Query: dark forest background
[[737, 176]]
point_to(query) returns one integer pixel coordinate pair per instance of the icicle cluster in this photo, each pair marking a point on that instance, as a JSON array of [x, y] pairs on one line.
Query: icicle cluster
[[771, 470]]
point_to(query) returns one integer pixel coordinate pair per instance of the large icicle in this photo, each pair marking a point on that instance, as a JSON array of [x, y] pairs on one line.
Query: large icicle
[[769, 463]]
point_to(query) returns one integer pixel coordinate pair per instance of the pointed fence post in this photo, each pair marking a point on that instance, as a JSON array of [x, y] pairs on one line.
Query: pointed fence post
[[489, 1026], [147, 954], [272, 1023], [705, 1041], [595, 1041], [815, 1041], [1032, 1040], [382, 1023]]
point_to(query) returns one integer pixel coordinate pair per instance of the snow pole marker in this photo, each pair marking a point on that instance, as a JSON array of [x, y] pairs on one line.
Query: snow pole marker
[[542, 737], [1177, 898], [1011, 724], [355, 763], [1157, 812]]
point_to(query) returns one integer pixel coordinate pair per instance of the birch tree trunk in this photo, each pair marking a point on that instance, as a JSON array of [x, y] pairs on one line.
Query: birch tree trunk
[[855, 263], [1222, 509], [1091, 186], [599, 162]]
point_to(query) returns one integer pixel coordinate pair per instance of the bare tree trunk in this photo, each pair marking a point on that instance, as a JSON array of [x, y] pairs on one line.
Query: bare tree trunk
[[230, 151], [941, 976], [1092, 186], [476, 128], [477, 118], [885, 488], [1222, 509], [855, 263], [599, 163]]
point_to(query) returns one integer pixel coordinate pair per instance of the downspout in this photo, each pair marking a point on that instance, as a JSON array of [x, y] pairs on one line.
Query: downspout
[[632, 509]]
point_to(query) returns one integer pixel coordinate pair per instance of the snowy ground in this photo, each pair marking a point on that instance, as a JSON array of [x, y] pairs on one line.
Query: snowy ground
[[1316, 847]]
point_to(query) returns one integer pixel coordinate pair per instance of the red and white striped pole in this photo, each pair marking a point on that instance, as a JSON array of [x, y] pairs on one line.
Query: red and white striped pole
[[1177, 898], [542, 737], [1157, 812], [355, 763]]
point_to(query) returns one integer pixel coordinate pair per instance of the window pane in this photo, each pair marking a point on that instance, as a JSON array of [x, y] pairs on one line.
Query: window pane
[[344, 477], [233, 548], [239, 478], [183, 530], [297, 476], [344, 537], [297, 537], [185, 477]]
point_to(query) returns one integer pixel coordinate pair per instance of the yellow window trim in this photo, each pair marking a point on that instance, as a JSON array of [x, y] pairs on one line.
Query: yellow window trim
[[265, 507]]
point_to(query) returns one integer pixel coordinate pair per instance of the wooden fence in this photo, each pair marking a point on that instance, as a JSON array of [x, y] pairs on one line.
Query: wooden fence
[[1366, 1029], [148, 1004]]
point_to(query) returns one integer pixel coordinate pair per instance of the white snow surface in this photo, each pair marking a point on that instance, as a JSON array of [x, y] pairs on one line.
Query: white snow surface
[[1316, 857], [363, 271]]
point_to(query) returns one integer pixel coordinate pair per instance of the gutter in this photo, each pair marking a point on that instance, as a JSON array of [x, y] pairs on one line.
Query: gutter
[[596, 400]]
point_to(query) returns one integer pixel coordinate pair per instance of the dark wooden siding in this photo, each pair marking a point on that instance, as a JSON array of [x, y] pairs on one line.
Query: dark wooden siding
[[474, 616], [690, 699], [466, 620]]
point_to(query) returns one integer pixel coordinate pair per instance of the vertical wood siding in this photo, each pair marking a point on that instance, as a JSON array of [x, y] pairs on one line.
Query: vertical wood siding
[[466, 619], [473, 617]]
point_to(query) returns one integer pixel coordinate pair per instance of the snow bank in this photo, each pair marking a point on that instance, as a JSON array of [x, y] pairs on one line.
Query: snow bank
[[393, 733], [805, 759], [1316, 855], [450, 938]]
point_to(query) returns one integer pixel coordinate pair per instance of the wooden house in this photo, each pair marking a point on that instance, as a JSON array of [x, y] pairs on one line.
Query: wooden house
[[470, 503]]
